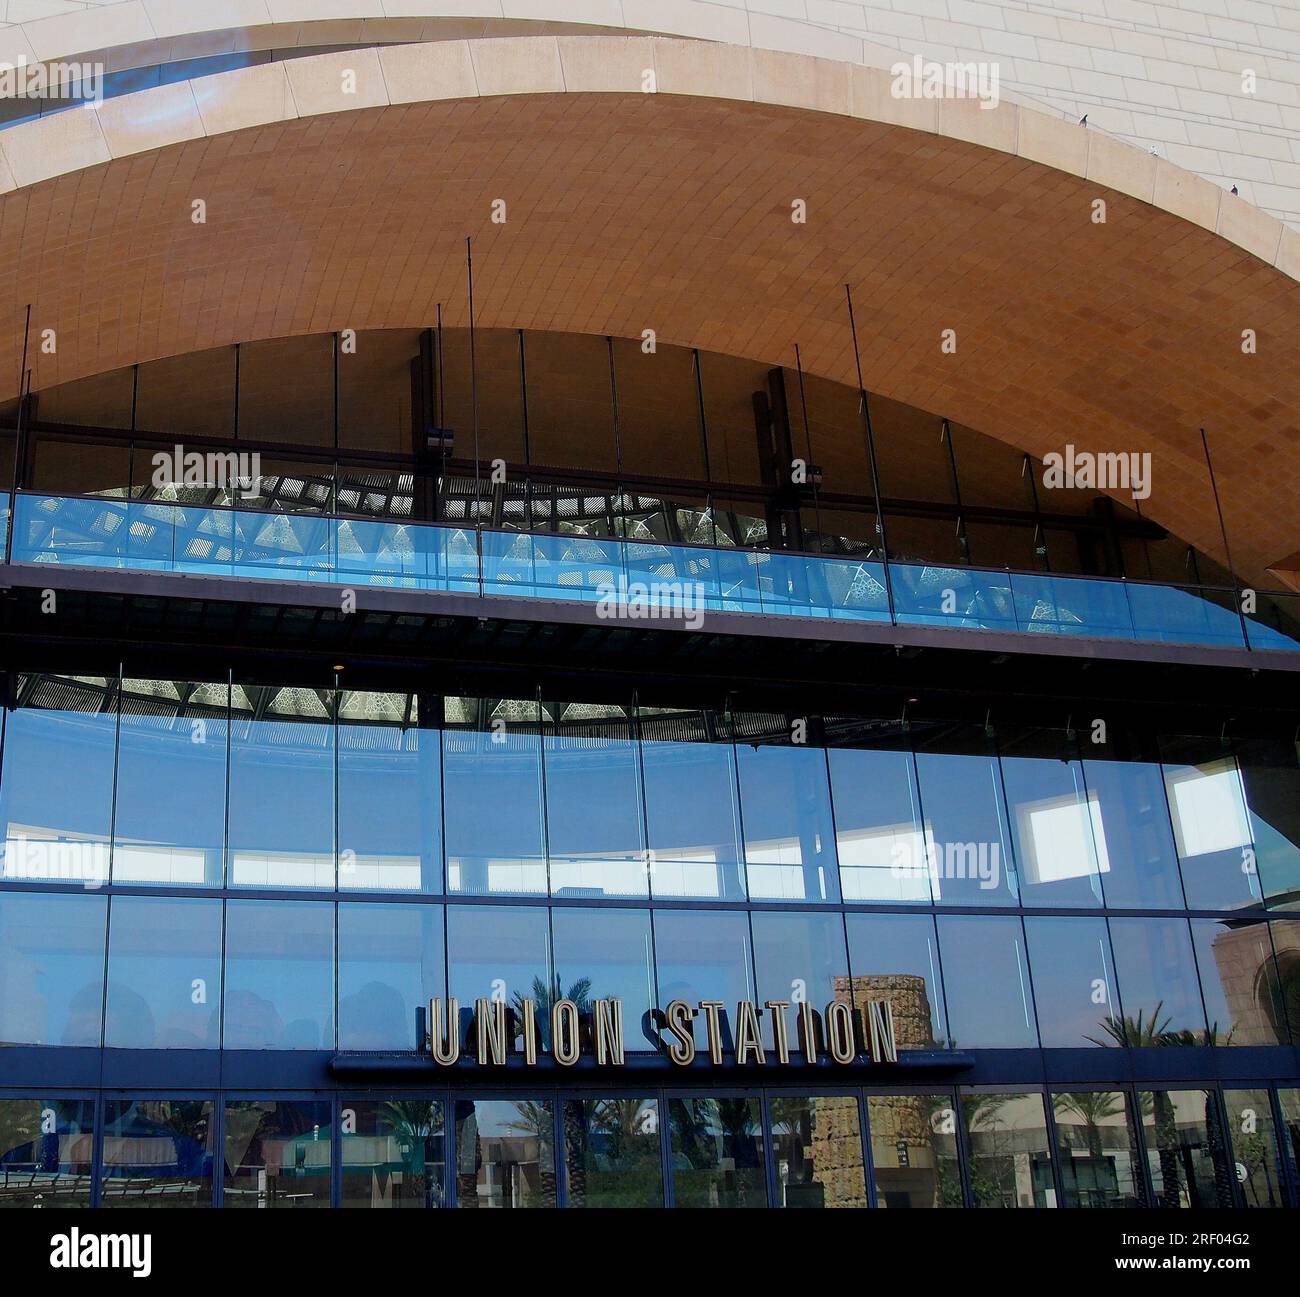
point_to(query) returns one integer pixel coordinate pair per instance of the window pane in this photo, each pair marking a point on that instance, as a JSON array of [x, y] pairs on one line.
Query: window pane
[[1126, 794], [51, 968], [878, 821], [1211, 828], [282, 787], [46, 1152], [492, 769], [691, 807], [818, 1150], [1270, 772], [1185, 1149], [1010, 1159], [786, 813], [717, 1153], [390, 793], [277, 1152], [286, 390], [570, 400], [158, 1153], [170, 823], [606, 954], [1286, 948], [58, 830], [701, 956], [393, 1154], [1074, 982], [961, 801], [1055, 827], [164, 974], [499, 952], [990, 1005], [593, 802], [611, 1151], [1259, 1175], [1157, 983], [1097, 1149], [505, 1153], [914, 1150], [1239, 982], [1290, 1103], [279, 975], [390, 966], [799, 958], [895, 957]]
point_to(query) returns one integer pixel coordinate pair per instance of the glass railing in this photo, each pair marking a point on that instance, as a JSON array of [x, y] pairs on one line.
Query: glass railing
[[632, 579]]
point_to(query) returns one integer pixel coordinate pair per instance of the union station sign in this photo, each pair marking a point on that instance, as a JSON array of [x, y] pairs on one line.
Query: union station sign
[[498, 1030]]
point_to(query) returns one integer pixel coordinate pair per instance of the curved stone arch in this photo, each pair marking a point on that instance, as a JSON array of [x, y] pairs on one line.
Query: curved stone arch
[[988, 180]]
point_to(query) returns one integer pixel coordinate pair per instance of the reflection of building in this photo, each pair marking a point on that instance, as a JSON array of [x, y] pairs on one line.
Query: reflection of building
[[1251, 990]]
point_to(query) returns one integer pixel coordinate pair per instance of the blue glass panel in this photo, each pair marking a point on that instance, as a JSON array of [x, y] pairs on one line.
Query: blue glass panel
[[390, 966], [994, 1010], [1055, 825], [46, 1152], [164, 973], [51, 968], [593, 803], [1074, 981], [170, 821], [279, 991], [960, 597], [56, 793], [1207, 805], [1239, 982], [895, 957], [966, 838], [1072, 606], [692, 812], [607, 954], [1184, 616], [281, 824], [703, 956], [500, 953], [799, 959], [1157, 983], [158, 1153], [493, 815], [390, 793], [786, 814], [1275, 623]]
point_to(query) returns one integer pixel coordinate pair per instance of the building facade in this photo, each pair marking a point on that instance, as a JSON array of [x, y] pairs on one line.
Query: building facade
[[597, 613]]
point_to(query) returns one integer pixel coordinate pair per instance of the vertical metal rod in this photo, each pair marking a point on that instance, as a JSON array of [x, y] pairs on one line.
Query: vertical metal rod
[[945, 434], [871, 456], [336, 390], [1040, 532], [473, 384], [130, 453], [236, 428], [1223, 531], [698, 371], [18, 437]]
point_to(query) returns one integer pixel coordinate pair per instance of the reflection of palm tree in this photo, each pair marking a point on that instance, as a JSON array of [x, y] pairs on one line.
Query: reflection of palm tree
[[414, 1123], [1093, 1108], [982, 1113], [546, 998]]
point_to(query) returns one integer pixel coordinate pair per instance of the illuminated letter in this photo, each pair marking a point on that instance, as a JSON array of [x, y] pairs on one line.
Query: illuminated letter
[[780, 1032], [490, 1022], [747, 1037], [839, 1032], [609, 1032], [880, 1019], [681, 1048], [528, 1029], [444, 1041], [564, 1032], [709, 1008]]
